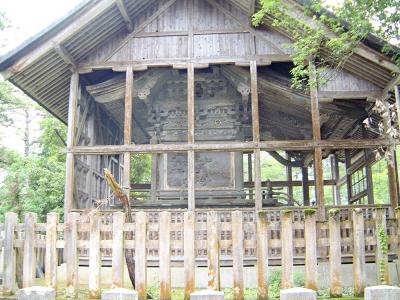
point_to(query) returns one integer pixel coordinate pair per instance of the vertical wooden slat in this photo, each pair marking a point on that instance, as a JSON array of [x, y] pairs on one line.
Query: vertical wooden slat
[[382, 263], [310, 236], [262, 256], [335, 260], [190, 14], [165, 255], [141, 255], [213, 251], [287, 249], [392, 178], [51, 260], [71, 239], [94, 256], [9, 274], [118, 250], [305, 187], [337, 178], [254, 101], [29, 256], [237, 255], [257, 179], [358, 253], [70, 161], [189, 253]]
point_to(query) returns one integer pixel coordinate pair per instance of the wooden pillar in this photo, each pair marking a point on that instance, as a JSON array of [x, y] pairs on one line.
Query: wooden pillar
[[287, 249], [382, 263], [94, 256], [254, 101], [9, 272], [118, 250], [289, 180], [358, 253], [70, 160], [51, 261], [72, 260], [141, 255], [257, 180], [165, 255], [237, 255], [304, 183], [262, 256], [392, 178], [337, 178], [310, 237], [335, 255], [128, 128], [347, 160], [190, 107], [370, 184], [29, 256], [318, 168], [213, 251], [189, 253]]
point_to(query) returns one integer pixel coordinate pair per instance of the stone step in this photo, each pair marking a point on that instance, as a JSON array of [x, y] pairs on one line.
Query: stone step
[[382, 292], [36, 293], [119, 294], [207, 295], [298, 294]]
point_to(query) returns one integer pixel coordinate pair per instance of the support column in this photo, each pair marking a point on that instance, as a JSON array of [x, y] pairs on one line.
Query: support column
[[70, 160], [318, 168], [304, 182], [128, 128], [289, 180], [347, 160], [256, 135], [190, 107], [337, 178]]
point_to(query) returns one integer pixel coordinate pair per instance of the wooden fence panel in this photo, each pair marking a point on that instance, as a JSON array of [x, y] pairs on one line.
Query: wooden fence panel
[[237, 255], [29, 257], [94, 257], [382, 263], [51, 260], [9, 277], [189, 253], [71, 243], [141, 255], [262, 256], [335, 258], [310, 236], [287, 249], [118, 250], [213, 251], [359, 253], [165, 255]]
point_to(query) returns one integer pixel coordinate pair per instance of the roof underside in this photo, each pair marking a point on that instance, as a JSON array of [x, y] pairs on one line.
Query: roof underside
[[47, 78]]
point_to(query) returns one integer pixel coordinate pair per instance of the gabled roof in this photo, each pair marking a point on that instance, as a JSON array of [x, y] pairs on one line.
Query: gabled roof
[[42, 65]]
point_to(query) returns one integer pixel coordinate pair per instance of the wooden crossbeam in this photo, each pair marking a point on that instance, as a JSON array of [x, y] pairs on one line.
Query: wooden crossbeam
[[64, 54]]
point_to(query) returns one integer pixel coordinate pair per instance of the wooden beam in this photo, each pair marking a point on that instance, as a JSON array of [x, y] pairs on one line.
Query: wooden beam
[[305, 185], [190, 137], [128, 128], [124, 13], [190, 33], [232, 146], [254, 102], [64, 54], [70, 160], [257, 179], [81, 22]]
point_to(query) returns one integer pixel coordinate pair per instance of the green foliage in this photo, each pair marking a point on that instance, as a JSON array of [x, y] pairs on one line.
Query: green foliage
[[141, 168], [36, 183], [329, 35]]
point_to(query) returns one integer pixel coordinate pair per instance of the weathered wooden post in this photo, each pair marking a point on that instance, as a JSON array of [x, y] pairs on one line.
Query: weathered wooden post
[[335, 255], [9, 276], [237, 255], [71, 241], [359, 252], [118, 250], [94, 257], [382, 263], [213, 251], [262, 256], [29, 257], [189, 253], [51, 261], [141, 255], [165, 255], [287, 249], [310, 236]]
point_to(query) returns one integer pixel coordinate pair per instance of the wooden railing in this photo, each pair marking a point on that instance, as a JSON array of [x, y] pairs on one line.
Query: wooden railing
[[213, 238]]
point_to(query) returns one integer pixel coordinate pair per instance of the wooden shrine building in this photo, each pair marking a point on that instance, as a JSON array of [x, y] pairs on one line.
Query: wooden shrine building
[[193, 87]]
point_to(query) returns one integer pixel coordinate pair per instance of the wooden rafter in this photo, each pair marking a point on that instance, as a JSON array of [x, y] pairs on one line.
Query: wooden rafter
[[124, 13], [64, 54]]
